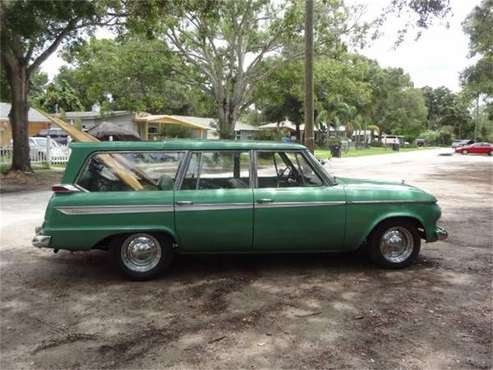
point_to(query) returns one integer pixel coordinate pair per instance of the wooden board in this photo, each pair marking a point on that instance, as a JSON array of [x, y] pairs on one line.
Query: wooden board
[[123, 172]]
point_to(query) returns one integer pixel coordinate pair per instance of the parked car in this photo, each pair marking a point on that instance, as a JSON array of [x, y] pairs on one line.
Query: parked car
[[56, 133], [477, 148], [420, 142], [390, 139], [459, 143], [38, 149], [147, 201]]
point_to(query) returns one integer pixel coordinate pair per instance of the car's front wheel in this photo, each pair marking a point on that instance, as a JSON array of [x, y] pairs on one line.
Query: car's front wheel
[[394, 244], [142, 256], [465, 152]]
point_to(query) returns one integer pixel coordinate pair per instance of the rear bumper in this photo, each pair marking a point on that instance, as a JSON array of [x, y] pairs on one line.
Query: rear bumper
[[441, 233], [40, 240], [436, 233]]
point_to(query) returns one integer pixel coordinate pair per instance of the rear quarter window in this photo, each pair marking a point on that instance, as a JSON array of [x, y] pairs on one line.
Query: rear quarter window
[[150, 171]]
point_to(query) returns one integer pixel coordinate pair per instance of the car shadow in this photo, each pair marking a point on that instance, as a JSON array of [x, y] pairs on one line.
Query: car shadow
[[96, 266]]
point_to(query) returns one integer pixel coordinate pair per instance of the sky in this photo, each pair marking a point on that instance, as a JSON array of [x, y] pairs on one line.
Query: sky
[[436, 59]]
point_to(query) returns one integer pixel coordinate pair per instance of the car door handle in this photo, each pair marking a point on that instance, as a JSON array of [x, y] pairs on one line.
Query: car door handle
[[264, 200], [183, 202]]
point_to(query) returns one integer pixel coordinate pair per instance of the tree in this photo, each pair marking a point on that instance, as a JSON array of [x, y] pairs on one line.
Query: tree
[[58, 97], [478, 78], [418, 15], [222, 47], [478, 25], [397, 107], [446, 108], [30, 32], [131, 73], [281, 95]]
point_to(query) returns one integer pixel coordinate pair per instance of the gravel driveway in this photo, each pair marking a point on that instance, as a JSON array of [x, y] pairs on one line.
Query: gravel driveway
[[314, 311]]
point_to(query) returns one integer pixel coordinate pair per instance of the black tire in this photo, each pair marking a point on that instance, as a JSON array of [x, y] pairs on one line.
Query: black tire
[[408, 230], [121, 255], [465, 152]]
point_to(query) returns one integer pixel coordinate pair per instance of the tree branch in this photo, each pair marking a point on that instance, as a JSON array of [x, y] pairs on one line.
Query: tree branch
[[54, 45]]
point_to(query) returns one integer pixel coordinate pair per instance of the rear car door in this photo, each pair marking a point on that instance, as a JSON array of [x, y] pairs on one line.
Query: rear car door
[[214, 203], [102, 204], [295, 208]]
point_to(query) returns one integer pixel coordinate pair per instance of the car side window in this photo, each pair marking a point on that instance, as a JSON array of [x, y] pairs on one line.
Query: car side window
[[310, 177], [285, 169], [153, 170], [217, 170]]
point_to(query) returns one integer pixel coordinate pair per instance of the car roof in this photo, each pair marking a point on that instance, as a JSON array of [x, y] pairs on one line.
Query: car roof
[[183, 144]]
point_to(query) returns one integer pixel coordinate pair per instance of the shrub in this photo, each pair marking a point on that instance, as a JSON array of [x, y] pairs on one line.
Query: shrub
[[431, 137]]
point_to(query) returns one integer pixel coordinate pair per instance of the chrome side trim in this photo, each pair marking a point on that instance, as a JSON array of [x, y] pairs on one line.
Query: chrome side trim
[[397, 201], [212, 206], [104, 210], [299, 204]]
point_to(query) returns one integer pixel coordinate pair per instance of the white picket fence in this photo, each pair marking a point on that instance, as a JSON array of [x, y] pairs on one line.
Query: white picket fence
[[50, 155]]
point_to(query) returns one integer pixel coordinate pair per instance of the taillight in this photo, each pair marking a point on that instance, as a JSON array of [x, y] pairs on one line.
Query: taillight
[[64, 188]]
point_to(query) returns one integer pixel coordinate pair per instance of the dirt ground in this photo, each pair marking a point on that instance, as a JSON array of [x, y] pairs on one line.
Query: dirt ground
[[72, 311], [40, 179]]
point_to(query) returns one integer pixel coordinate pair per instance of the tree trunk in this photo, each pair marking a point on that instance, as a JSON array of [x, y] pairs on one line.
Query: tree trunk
[[18, 117], [228, 114]]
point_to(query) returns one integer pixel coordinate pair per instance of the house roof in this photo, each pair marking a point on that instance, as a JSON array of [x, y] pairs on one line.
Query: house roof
[[111, 129], [92, 114], [33, 114], [287, 124], [204, 123]]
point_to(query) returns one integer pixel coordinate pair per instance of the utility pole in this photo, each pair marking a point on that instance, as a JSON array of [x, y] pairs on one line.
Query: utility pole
[[476, 123], [309, 114]]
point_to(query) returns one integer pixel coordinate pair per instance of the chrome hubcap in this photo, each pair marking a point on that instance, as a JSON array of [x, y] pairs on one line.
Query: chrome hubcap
[[141, 252], [397, 244]]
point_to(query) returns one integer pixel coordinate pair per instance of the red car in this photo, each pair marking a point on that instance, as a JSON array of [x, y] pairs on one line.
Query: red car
[[477, 148]]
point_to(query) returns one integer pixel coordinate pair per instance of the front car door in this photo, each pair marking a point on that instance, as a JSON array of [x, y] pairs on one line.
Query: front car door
[[296, 206], [214, 203]]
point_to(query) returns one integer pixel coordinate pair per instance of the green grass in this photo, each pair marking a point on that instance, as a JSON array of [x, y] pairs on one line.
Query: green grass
[[325, 153]]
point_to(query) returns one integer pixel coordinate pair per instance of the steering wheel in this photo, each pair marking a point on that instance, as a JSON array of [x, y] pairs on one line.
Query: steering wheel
[[292, 176], [281, 172]]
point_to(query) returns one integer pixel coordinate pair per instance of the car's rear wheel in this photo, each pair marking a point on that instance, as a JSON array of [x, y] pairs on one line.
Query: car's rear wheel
[[394, 244], [465, 152], [142, 256]]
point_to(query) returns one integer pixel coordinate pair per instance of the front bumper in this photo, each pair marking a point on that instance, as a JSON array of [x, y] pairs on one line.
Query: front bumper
[[40, 240]]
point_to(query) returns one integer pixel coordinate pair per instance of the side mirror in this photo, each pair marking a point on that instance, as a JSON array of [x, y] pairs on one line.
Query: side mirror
[[322, 161]]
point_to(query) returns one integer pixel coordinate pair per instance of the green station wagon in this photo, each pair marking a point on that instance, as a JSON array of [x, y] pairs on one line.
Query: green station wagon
[[146, 201]]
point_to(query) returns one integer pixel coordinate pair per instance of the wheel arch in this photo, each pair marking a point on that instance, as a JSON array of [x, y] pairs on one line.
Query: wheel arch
[[106, 242], [396, 217]]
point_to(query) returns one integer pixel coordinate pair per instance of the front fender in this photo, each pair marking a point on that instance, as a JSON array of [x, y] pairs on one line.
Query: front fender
[[362, 219]]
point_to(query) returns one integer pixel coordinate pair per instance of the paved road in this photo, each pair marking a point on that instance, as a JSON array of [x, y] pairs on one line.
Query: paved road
[[72, 311]]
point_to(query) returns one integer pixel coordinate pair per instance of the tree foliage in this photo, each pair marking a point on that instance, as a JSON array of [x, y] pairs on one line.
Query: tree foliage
[[131, 73], [478, 78], [31, 31]]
